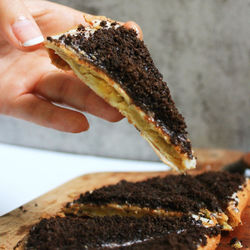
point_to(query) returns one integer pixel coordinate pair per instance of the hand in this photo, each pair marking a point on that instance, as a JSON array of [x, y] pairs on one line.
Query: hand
[[30, 85]]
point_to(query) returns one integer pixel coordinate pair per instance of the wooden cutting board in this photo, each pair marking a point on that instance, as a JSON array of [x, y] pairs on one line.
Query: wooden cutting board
[[16, 224]]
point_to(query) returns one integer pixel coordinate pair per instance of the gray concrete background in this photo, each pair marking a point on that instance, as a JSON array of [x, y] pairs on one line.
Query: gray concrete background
[[203, 50]]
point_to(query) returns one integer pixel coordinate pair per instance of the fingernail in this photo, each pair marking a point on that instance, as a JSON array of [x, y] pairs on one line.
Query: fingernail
[[135, 27], [27, 32]]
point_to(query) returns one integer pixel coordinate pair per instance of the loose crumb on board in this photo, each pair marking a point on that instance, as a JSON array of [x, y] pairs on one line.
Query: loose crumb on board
[[22, 209], [235, 243]]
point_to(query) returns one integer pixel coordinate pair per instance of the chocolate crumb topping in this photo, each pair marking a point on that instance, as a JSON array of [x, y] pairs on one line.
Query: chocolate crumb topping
[[103, 23], [222, 185], [119, 233], [126, 59], [182, 193]]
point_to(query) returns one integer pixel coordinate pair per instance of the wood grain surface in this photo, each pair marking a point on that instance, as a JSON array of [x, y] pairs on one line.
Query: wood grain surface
[[16, 224]]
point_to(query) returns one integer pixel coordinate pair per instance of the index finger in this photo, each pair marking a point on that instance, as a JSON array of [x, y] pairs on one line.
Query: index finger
[[17, 25], [51, 17]]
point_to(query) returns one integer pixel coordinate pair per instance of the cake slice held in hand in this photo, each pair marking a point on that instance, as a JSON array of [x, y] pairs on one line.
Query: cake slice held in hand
[[116, 64]]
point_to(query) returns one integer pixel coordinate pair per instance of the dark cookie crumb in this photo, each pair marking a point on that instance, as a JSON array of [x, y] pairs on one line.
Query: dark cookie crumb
[[81, 28], [222, 185], [235, 243], [62, 37], [143, 233], [183, 193], [22, 209], [103, 23]]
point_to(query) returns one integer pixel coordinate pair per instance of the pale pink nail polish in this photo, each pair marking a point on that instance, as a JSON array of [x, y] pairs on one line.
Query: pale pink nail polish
[[27, 32]]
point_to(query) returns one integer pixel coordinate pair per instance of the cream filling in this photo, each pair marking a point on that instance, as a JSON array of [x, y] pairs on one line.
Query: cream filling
[[208, 219], [237, 204], [128, 243], [116, 209]]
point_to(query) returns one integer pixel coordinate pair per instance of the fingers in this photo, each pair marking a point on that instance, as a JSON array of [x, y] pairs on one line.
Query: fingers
[[44, 12], [17, 25], [65, 88], [136, 27], [32, 108], [51, 16], [20, 29]]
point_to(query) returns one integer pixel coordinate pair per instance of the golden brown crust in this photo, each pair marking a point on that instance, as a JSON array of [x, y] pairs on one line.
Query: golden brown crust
[[57, 60], [212, 243], [21, 244], [90, 18], [234, 211]]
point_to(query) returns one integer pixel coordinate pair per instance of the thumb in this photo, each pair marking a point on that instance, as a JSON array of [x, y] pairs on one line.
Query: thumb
[[17, 25]]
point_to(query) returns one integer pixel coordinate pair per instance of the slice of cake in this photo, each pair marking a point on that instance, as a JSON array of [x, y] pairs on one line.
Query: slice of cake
[[115, 64], [117, 232], [231, 190], [173, 195]]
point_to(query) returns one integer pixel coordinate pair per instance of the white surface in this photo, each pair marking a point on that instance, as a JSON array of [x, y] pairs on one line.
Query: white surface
[[28, 173]]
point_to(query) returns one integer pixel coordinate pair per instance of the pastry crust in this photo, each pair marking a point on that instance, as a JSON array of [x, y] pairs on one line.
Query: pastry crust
[[66, 58], [236, 207], [212, 243], [22, 243]]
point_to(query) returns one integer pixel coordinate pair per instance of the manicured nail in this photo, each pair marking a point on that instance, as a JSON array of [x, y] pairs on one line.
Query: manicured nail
[[27, 32], [135, 27]]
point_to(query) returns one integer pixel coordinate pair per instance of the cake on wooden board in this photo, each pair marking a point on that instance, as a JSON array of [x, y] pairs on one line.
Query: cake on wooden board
[[193, 220]]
